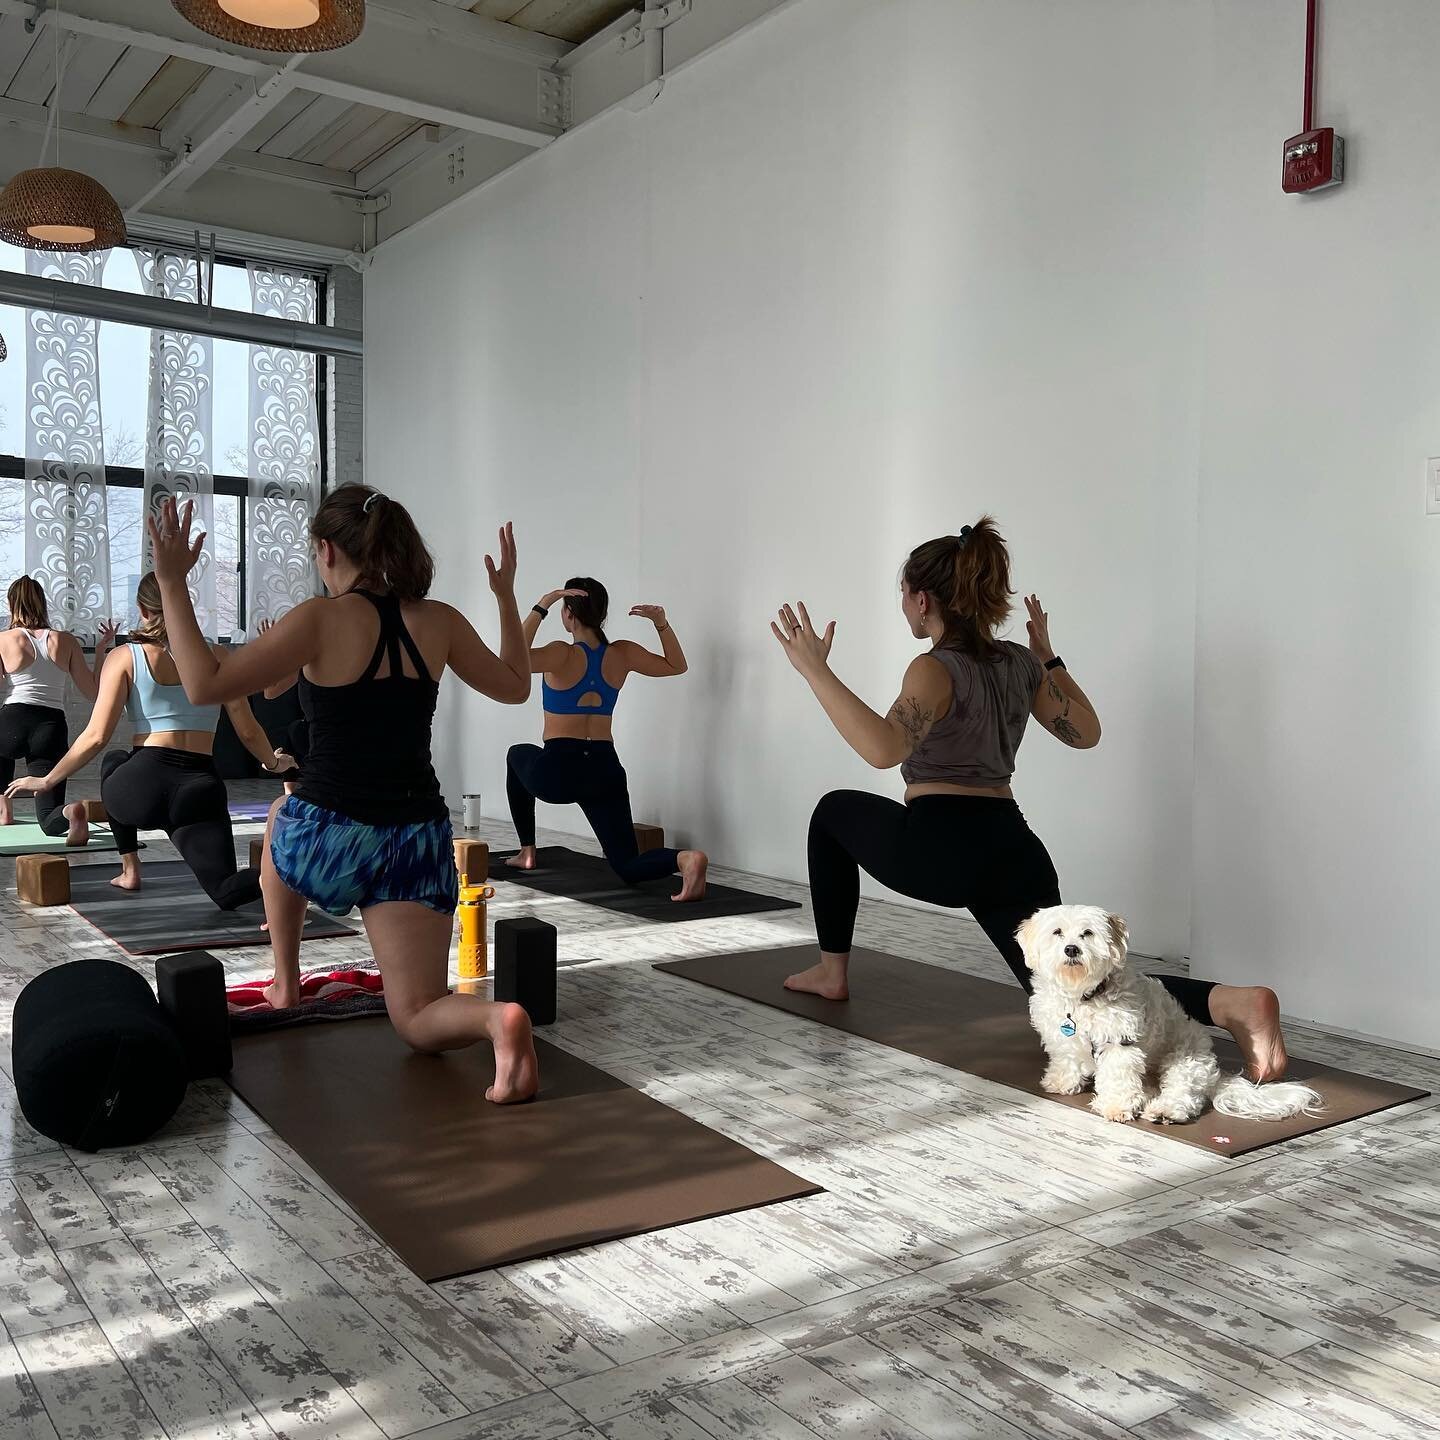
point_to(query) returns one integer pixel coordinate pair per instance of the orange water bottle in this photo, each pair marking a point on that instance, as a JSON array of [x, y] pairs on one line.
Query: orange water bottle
[[474, 958]]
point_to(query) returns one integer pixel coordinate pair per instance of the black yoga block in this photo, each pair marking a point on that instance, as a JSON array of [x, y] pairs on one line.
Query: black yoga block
[[96, 1063], [192, 994], [525, 967]]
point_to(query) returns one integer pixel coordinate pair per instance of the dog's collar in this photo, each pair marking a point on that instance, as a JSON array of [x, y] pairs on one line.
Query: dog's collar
[[1069, 1027]]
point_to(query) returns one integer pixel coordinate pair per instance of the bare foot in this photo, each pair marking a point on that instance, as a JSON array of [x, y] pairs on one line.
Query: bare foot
[[828, 979], [1251, 1013], [129, 876], [693, 865], [79, 831], [7, 810], [517, 1071], [281, 997], [524, 860]]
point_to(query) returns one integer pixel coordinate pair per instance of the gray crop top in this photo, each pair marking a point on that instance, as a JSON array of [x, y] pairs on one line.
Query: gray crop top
[[975, 743]]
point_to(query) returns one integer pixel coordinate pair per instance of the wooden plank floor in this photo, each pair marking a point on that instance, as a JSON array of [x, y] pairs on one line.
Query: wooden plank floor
[[981, 1264]]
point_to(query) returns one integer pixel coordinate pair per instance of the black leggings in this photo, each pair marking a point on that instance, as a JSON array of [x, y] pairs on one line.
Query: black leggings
[[38, 735], [181, 793], [971, 852], [587, 773]]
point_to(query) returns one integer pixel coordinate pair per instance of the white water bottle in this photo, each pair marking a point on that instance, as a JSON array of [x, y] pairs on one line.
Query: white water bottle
[[470, 809]]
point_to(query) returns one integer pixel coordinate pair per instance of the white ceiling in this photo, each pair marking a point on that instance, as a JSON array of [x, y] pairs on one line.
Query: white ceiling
[[326, 153]]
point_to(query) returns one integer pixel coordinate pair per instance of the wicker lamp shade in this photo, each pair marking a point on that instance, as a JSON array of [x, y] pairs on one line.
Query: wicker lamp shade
[[293, 25], [54, 209], [4, 349]]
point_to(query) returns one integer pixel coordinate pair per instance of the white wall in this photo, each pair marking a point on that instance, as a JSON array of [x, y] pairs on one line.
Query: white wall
[[858, 275], [1319, 576]]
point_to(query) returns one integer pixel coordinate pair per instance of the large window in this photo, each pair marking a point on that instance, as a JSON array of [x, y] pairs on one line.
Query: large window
[[125, 371]]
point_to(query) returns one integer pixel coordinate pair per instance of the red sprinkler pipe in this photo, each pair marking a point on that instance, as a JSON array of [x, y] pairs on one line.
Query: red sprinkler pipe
[[1309, 65]]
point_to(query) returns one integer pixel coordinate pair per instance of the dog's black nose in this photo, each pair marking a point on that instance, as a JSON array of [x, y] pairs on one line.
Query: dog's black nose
[[1072, 952]]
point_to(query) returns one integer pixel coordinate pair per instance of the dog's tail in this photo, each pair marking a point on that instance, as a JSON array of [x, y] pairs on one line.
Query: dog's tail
[[1280, 1100]]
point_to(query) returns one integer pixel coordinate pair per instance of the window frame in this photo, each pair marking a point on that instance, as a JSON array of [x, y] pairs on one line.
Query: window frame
[[132, 477]]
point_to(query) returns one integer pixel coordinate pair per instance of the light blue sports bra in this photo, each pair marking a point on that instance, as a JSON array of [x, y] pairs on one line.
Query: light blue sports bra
[[156, 708], [592, 682]]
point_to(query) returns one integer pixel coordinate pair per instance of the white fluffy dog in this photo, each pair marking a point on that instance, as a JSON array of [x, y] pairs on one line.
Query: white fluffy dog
[[1099, 1020]]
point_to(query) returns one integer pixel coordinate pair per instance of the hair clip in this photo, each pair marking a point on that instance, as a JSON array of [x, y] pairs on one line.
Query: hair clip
[[370, 499]]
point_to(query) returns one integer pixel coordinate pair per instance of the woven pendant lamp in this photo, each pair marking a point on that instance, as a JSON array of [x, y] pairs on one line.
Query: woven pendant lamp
[[54, 209], [293, 25], [4, 349]]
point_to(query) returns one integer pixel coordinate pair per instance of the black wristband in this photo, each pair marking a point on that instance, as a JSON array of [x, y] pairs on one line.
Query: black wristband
[[1054, 663], [540, 610]]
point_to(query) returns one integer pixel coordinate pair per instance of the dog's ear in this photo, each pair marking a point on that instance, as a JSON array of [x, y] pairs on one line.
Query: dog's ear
[[1026, 936], [1119, 932]]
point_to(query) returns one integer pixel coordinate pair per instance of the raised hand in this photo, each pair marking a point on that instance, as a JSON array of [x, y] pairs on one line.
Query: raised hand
[[806, 650], [172, 552], [655, 614], [502, 576], [105, 635], [1038, 629], [548, 599]]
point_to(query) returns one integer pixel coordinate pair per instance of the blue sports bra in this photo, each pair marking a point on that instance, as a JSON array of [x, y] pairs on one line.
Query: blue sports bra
[[592, 682], [154, 707]]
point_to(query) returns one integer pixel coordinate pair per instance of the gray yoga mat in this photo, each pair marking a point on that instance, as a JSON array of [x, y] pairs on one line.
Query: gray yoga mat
[[173, 913], [562, 871]]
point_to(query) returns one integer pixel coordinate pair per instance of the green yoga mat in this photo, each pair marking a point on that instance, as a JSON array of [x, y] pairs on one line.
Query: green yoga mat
[[25, 837]]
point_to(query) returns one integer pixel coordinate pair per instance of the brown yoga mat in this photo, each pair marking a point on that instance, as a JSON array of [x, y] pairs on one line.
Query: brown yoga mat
[[454, 1184], [983, 1028]]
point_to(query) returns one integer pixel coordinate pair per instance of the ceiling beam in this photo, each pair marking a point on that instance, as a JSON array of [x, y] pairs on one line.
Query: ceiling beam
[[416, 148], [16, 114], [208, 142], [461, 27], [440, 80]]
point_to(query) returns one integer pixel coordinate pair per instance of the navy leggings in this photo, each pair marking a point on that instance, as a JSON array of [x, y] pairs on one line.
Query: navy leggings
[[970, 852], [38, 735], [181, 793], [587, 773]]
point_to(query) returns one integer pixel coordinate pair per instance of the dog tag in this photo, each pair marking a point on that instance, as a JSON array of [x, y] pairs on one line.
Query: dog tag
[[1068, 1028]]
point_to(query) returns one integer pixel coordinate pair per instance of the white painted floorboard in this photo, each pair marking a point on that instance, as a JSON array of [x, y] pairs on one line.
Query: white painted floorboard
[[982, 1264]]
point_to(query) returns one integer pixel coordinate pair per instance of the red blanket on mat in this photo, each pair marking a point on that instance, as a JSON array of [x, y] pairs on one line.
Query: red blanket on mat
[[324, 995]]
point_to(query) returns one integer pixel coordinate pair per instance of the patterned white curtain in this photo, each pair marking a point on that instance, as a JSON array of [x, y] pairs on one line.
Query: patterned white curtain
[[67, 535], [284, 453], [178, 428]]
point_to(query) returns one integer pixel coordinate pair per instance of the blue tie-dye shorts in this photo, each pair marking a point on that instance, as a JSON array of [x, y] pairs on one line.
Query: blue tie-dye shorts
[[338, 863]]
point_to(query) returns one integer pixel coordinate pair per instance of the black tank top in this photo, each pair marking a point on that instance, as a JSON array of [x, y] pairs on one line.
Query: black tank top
[[369, 743]]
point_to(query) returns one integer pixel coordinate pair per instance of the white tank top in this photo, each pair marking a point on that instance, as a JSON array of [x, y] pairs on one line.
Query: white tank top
[[42, 681]]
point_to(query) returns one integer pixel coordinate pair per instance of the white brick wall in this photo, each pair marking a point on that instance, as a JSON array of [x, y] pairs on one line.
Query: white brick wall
[[346, 419]]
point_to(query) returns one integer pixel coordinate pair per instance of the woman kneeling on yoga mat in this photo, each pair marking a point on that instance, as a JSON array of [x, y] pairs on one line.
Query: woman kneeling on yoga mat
[[37, 662], [959, 840], [367, 825], [578, 765], [167, 780]]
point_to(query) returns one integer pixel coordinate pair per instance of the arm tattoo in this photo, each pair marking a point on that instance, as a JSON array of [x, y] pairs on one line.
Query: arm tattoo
[[1065, 730], [914, 721], [1056, 693]]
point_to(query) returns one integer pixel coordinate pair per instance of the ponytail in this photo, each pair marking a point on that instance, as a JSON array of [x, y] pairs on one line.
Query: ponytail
[[377, 535], [151, 629], [591, 608], [969, 577], [29, 608]]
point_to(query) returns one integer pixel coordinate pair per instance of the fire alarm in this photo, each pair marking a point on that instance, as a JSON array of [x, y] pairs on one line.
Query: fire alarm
[[1313, 161]]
